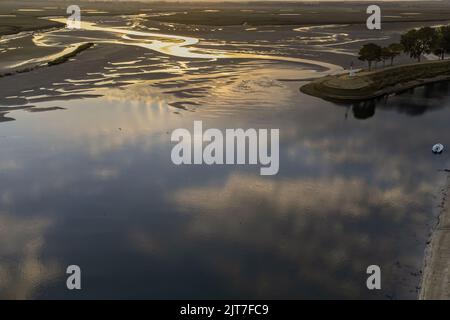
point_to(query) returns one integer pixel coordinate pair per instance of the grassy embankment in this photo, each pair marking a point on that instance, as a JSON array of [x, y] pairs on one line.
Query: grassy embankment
[[368, 85]]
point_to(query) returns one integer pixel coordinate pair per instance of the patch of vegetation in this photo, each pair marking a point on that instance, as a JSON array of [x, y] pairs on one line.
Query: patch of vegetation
[[71, 54], [371, 84], [415, 42]]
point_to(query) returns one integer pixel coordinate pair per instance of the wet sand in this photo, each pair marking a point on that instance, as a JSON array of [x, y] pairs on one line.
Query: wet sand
[[436, 278], [298, 13]]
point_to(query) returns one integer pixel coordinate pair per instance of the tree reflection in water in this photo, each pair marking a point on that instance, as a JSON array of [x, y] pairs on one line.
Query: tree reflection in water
[[428, 98]]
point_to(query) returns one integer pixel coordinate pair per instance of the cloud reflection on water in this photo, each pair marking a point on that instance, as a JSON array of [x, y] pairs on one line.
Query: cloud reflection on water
[[22, 269], [350, 192]]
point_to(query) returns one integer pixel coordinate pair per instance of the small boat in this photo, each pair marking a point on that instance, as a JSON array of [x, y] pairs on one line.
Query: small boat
[[437, 148]]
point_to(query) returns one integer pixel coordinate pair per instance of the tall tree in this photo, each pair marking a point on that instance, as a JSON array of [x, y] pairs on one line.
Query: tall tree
[[418, 42], [445, 31], [370, 52], [396, 49], [385, 54], [438, 43]]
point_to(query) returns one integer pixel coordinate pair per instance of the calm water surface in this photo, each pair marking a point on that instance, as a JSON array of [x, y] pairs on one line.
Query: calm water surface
[[92, 184]]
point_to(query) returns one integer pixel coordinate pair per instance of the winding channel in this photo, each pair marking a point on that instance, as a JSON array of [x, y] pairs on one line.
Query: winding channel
[[173, 45]]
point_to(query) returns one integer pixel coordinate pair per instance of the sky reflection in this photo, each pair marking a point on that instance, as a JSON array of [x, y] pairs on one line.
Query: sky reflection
[[91, 182], [349, 193]]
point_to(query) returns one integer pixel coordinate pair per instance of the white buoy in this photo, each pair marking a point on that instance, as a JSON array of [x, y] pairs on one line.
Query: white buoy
[[437, 148]]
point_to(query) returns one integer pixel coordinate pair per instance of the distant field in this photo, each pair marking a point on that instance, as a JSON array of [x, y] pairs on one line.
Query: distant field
[[302, 14], [16, 16], [12, 25]]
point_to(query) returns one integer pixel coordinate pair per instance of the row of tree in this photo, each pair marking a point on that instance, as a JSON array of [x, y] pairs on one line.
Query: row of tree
[[415, 42]]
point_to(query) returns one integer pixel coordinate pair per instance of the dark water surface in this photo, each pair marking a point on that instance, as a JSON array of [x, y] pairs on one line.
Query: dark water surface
[[92, 184]]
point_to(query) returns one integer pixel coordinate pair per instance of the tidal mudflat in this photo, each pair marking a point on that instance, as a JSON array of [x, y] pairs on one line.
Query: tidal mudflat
[[87, 178]]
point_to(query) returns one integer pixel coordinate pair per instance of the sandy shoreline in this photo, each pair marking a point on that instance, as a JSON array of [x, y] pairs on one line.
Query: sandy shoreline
[[436, 278]]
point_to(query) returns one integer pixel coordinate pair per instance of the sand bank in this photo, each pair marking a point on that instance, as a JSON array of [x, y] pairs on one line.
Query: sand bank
[[52, 60], [436, 277]]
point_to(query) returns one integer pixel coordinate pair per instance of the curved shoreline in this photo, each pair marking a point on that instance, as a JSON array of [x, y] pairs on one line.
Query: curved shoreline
[[64, 56], [184, 46], [435, 282], [369, 85]]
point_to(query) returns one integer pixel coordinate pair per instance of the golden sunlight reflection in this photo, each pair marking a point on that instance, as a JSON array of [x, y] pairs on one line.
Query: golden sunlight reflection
[[22, 269], [174, 45], [122, 117]]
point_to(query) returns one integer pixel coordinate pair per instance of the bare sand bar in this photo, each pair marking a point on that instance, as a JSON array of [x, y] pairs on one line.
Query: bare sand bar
[[436, 277]]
